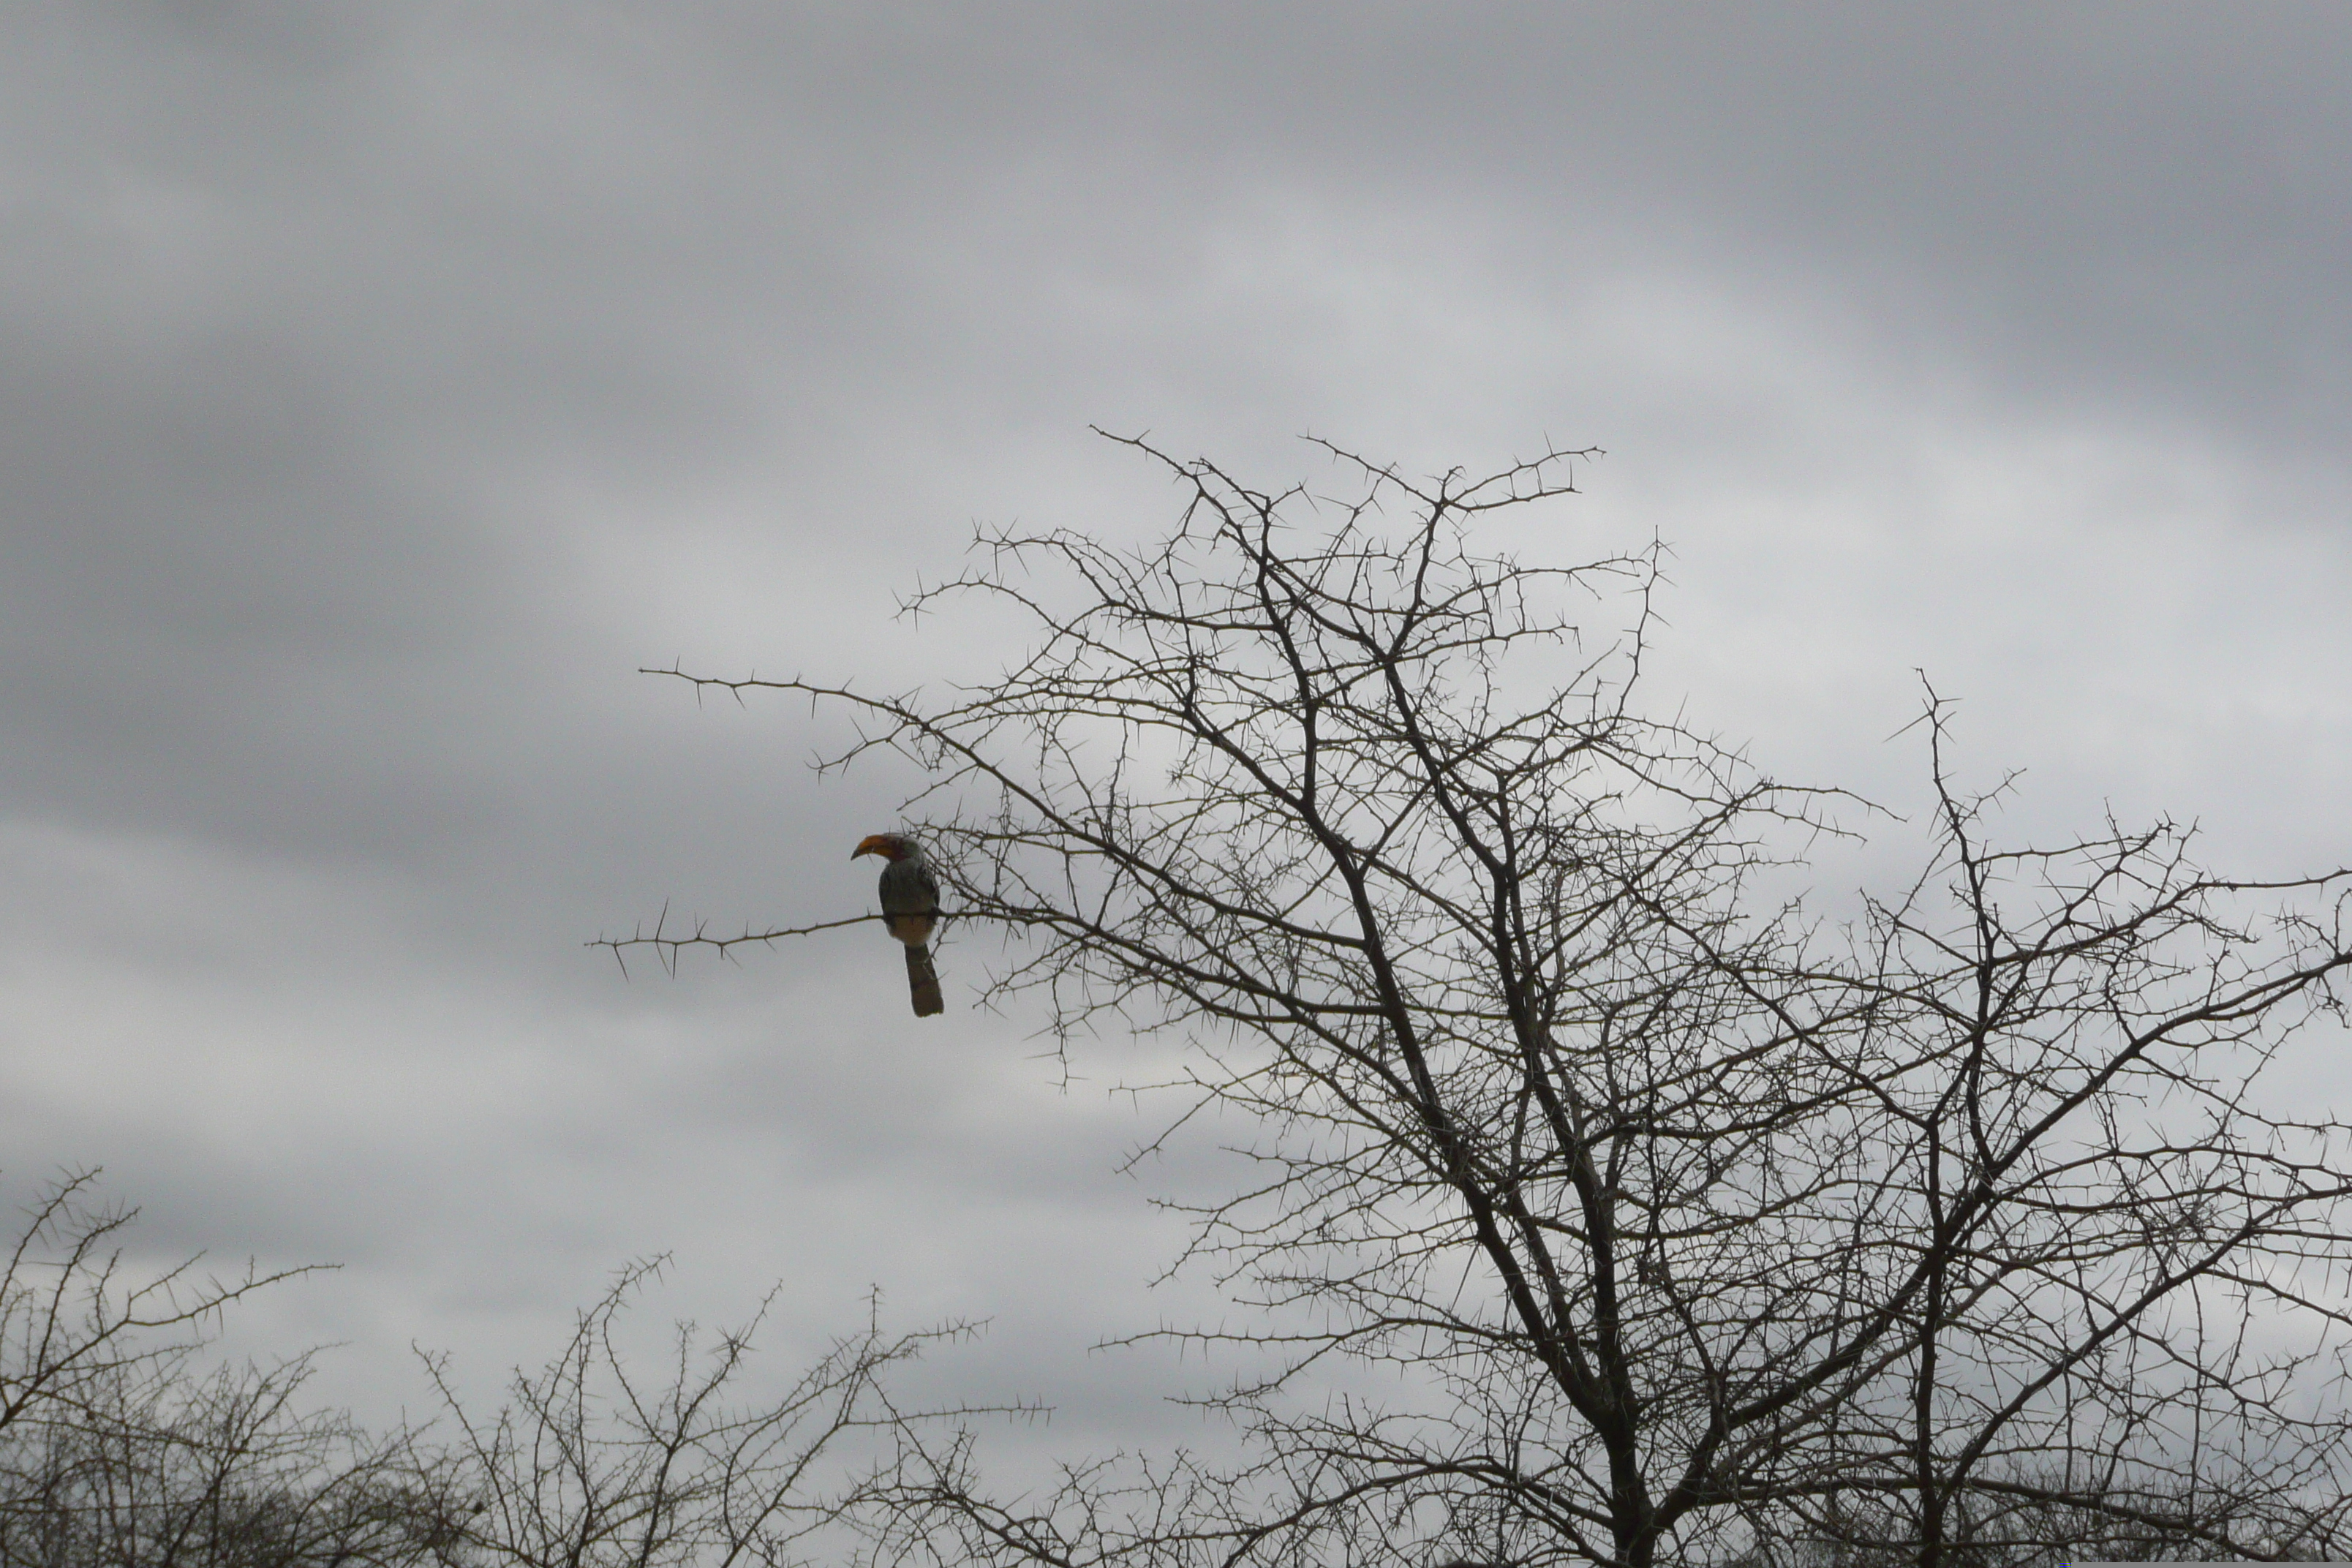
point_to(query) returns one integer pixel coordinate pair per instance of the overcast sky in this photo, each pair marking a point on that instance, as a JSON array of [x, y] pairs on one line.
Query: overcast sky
[[382, 385]]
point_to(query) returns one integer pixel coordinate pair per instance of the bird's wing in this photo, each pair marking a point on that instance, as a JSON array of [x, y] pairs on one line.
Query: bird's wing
[[909, 888]]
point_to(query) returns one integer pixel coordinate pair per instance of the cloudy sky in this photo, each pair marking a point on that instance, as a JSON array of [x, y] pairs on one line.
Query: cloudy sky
[[380, 385]]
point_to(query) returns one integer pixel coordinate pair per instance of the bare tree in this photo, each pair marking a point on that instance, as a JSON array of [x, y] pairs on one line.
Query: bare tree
[[161, 1463], [1697, 1225], [116, 1448], [125, 1446], [71, 1316], [592, 1464]]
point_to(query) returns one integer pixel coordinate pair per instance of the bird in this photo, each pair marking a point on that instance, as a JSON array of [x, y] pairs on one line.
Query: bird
[[910, 908]]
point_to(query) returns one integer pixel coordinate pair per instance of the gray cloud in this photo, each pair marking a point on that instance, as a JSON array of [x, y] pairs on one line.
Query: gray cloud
[[380, 386]]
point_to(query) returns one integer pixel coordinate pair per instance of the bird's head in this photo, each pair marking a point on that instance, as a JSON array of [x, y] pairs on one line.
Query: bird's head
[[889, 846]]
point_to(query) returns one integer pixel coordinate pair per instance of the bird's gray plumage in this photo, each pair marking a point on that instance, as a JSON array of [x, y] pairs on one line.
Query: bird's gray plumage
[[911, 912]]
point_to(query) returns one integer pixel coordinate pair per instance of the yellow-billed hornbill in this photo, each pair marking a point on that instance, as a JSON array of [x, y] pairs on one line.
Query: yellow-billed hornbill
[[910, 908]]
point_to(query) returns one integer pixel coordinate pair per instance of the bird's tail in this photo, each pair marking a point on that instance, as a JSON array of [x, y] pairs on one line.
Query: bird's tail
[[923, 981]]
